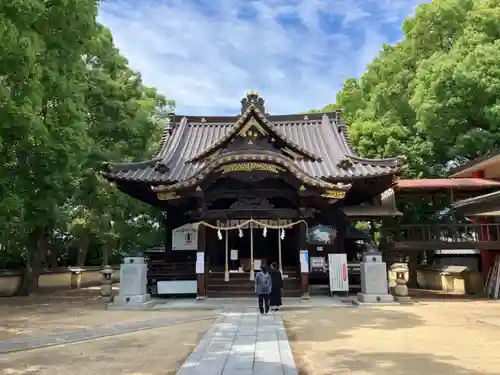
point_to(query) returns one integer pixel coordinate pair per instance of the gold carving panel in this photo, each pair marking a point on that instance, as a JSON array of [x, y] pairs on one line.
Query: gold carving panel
[[167, 196], [334, 194], [249, 167]]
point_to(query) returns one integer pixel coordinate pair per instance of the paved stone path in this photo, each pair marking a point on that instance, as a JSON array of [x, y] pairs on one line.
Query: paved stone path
[[243, 343], [41, 341]]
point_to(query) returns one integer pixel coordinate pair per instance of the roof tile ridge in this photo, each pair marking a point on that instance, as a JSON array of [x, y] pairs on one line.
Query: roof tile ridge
[[327, 132], [120, 167], [346, 139], [386, 162], [333, 128], [171, 147]]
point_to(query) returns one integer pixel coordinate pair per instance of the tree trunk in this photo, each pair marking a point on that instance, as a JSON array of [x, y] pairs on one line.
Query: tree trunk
[[84, 244], [105, 255], [412, 265], [36, 249], [53, 253]]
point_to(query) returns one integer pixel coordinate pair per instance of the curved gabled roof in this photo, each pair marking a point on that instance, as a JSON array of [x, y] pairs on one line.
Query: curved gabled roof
[[320, 142], [254, 111]]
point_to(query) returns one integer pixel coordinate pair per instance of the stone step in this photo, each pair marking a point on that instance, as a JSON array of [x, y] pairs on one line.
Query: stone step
[[239, 293]]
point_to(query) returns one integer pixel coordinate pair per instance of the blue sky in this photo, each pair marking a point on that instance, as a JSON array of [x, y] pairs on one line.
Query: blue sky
[[206, 54]]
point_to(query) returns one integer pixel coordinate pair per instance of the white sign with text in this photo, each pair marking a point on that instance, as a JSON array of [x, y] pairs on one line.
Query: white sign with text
[[337, 267], [185, 237]]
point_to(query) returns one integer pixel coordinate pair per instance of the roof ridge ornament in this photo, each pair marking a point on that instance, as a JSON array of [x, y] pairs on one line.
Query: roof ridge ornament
[[254, 98]]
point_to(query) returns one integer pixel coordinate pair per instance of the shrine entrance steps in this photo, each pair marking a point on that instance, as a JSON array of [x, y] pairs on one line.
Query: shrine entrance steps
[[240, 285]]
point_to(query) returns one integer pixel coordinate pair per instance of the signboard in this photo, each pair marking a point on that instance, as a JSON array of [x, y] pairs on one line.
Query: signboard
[[234, 254], [185, 237], [257, 263], [200, 262], [200, 268], [318, 264], [337, 266], [304, 261]]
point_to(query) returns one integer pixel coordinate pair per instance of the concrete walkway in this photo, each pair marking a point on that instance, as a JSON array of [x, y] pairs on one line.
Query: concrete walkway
[[242, 343]]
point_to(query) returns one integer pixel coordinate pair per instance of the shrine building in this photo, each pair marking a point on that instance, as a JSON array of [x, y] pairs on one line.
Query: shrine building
[[255, 188]]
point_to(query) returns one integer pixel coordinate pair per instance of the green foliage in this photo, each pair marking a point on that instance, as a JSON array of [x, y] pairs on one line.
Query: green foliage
[[68, 102], [433, 96], [327, 108]]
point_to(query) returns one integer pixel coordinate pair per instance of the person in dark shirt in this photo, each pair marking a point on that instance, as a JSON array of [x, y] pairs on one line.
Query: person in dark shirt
[[276, 288]]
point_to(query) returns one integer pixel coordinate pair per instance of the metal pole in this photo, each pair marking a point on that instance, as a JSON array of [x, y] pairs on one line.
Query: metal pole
[[226, 269], [252, 271]]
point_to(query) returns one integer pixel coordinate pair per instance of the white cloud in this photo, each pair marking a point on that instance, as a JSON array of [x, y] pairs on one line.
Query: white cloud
[[206, 54]]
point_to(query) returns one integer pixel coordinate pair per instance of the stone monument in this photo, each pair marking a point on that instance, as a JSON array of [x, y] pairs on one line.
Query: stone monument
[[374, 286], [133, 285]]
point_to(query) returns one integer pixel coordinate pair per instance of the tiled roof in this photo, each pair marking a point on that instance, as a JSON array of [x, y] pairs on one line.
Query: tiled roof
[[445, 183], [474, 163], [323, 138], [492, 199]]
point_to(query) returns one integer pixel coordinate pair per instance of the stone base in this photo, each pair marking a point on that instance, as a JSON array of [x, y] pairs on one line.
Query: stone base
[[107, 298], [375, 298], [135, 302], [305, 297], [200, 298], [403, 299]]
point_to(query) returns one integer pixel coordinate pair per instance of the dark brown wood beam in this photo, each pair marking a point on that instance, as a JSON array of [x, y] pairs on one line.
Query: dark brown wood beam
[[275, 213]]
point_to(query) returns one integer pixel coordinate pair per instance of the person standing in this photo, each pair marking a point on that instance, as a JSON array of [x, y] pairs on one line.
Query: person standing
[[276, 288], [263, 285]]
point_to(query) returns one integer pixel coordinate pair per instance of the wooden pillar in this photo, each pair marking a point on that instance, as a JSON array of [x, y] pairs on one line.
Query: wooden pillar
[[304, 276], [174, 219], [487, 257], [201, 269]]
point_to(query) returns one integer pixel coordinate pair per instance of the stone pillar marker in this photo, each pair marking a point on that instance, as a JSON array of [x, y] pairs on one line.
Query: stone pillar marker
[[133, 284], [374, 286]]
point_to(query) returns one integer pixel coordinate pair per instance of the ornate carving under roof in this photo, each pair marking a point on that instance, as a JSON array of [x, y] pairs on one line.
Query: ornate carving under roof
[[315, 147], [252, 203]]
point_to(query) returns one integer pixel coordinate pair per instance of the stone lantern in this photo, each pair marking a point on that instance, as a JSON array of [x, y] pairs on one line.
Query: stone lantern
[[107, 284], [402, 276]]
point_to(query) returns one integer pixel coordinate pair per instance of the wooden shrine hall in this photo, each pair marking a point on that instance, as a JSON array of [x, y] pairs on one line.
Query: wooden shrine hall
[[255, 188]]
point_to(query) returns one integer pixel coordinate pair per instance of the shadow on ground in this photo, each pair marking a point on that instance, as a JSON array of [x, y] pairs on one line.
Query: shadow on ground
[[68, 298], [378, 363], [300, 323]]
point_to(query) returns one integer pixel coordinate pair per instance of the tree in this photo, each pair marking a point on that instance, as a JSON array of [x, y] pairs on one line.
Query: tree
[[455, 94], [69, 101], [432, 96], [44, 130]]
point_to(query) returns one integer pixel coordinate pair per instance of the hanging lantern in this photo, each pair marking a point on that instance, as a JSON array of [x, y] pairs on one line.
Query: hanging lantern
[[240, 232], [219, 234], [264, 232], [282, 233]]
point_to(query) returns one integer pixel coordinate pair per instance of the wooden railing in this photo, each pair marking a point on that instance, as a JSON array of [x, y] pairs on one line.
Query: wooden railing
[[448, 233]]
